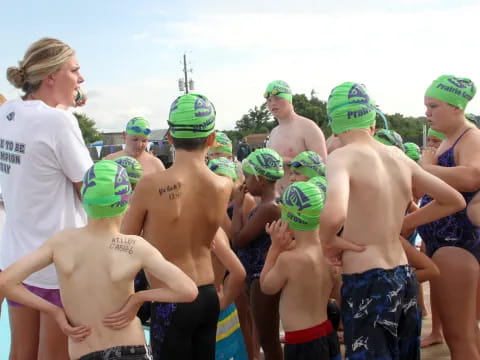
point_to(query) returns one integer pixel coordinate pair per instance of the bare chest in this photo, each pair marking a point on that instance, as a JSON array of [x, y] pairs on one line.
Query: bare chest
[[287, 142]]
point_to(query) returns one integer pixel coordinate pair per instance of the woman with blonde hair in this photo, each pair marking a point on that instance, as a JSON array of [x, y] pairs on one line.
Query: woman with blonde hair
[[42, 165]]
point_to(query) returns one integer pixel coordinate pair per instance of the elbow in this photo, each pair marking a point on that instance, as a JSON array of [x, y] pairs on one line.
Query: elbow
[[191, 292], [4, 285], [332, 220], [460, 203], [268, 290], [238, 276], [266, 287]]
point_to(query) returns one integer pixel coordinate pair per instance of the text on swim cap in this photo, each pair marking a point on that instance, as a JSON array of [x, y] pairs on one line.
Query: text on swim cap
[[454, 90], [358, 113]]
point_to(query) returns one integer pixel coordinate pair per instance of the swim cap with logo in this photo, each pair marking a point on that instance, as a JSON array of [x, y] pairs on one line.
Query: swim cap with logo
[[265, 163], [301, 205], [138, 126], [412, 150], [308, 163], [192, 116], [390, 138], [437, 134], [133, 167], [105, 190], [452, 90], [222, 143], [350, 107], [223, 166], [278, 88], [320, 182]]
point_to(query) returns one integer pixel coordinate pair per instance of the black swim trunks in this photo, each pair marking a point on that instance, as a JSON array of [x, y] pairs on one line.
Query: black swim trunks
[[186, 331], [318, 342], [381, 318], [137, 352]]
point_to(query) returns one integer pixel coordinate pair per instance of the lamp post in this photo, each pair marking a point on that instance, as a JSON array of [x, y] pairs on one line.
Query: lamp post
[[186, 84]]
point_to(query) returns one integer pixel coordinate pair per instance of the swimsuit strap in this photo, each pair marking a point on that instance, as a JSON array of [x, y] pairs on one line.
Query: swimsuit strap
[[455, 143]]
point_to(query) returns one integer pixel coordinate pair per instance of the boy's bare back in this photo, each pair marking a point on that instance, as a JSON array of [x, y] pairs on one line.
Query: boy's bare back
[[96, 278], [180, 210], [380, 182], [304, 299]]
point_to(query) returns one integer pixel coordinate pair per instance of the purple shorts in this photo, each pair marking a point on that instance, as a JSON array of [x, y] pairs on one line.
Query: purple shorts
[[51, 295]]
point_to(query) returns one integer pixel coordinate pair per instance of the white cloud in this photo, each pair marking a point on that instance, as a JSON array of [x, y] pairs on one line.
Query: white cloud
[[396, 55]]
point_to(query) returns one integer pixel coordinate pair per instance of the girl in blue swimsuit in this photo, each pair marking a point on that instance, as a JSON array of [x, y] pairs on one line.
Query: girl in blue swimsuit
[[453, 242]]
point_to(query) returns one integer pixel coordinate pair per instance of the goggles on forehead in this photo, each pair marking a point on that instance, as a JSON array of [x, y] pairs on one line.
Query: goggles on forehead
[[139, 130], [295, 164], [274, 92]]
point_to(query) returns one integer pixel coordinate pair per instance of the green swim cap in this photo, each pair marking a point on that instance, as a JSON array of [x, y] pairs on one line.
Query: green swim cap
[[138, 126], [264, 162], [320, 182], [278, 88], [452, 90], [301, 205], [350, 107], [437, 134], [105, 190], [412, 150], [222, 143], [192, 116], [308, 163], [133, 167], [390, 138], [223, 166]]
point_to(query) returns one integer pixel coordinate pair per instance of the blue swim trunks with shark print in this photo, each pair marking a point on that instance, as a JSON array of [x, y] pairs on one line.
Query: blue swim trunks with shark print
[[380, 315]]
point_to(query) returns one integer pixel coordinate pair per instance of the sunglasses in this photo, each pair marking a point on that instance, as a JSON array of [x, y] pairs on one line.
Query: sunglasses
[[139, 129]]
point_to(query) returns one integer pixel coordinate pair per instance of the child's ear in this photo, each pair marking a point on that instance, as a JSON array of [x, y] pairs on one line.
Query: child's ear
[[211, 139], [169, 137]]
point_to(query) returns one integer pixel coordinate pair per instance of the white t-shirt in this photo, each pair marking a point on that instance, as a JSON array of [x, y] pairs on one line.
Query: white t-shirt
[[42, 153]]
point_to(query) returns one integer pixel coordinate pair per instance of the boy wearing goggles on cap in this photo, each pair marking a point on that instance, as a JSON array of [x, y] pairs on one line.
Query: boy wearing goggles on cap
[[136, 136]]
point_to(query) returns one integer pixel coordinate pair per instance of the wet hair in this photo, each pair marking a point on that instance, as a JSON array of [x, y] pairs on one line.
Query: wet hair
[[41, 59], [190, 144]]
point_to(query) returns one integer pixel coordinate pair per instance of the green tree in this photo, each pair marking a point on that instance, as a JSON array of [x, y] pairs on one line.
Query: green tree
[[257, 120], [313, 108], [87, 126], [410, 128]]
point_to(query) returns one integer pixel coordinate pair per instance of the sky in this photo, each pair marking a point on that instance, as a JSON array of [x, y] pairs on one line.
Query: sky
[[130, 52]]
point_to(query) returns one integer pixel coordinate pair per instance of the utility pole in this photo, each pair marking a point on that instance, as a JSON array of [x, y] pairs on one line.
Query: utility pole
[[185, 84]]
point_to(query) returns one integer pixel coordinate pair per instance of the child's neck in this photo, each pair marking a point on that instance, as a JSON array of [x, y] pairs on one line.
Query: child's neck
[[104, 226], [268, 192], [304, 238]]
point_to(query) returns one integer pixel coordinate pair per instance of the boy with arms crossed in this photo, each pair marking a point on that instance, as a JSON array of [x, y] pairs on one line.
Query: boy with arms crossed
[[136, 137], [379, 293], [294, 133]]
